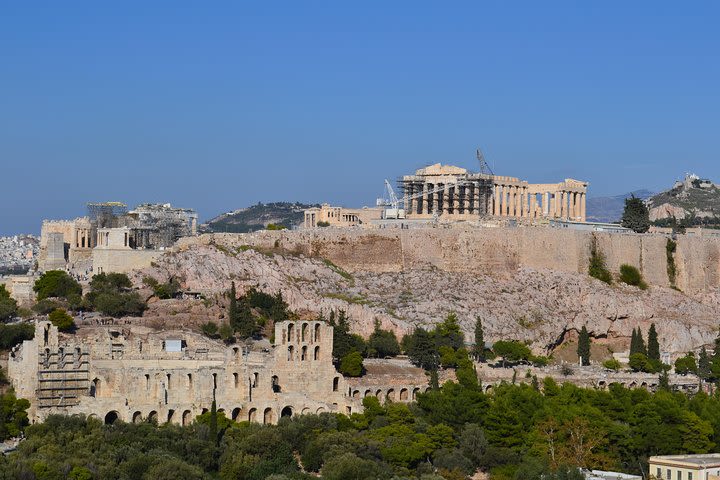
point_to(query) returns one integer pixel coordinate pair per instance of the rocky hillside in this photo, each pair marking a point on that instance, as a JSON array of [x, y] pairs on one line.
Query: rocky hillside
[[610, 209], [257, 217], [692, 197], [541, 306]]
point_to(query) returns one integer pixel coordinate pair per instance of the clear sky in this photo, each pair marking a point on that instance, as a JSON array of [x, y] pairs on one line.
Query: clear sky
[[217, 105]]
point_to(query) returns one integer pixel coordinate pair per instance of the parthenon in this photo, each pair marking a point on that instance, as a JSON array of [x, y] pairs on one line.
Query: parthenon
[[455, 193]]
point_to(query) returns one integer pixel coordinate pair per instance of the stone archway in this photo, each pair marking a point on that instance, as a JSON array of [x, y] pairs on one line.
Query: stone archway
[[252, 415], [137, 417], [111, 417], [286, 412], [268, 416], [235, 413], [153, 417], [403, 394], [186, 418]]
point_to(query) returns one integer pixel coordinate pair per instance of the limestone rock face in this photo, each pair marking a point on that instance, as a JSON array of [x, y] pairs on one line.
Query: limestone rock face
[[540, 305]]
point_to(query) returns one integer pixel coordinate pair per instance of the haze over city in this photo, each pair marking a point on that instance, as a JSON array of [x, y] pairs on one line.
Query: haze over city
[[215, 107]]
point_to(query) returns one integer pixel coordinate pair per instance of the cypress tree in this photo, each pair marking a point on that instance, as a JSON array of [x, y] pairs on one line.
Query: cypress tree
[[213, 422], [704, 366], [653, 347], [633, 343], [636, 215], [479, 348], [583, 348], [641, 343], [664, 381]]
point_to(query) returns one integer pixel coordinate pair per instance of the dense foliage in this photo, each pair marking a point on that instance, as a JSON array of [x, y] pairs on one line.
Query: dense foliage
[[636, 215], [519, 432], [163, 290], [11, 335], [8, 306], [13, 416], [112, 294], [596, 266], [632, 276], [62, 320], [56, 283]]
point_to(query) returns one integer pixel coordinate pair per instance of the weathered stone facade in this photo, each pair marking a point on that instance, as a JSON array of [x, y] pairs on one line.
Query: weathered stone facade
[[340, 216], [134, 374]]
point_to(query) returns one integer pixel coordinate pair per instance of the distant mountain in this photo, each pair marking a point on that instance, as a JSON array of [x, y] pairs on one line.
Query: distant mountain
[[610, 209], [695, 199], [257, 217]]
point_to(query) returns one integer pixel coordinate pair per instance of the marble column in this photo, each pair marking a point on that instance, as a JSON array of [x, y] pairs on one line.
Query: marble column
[[533, 205], [446, 199], [496, 200], [582, 207], [406, 194], [467, 197], [456, 199], [425, 199]]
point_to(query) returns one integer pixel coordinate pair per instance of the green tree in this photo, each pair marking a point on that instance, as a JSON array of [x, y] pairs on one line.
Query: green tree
[[13, 415], [612, 364], [111, 294], [653, 346], [448, 333], [583, 348], [686, 364], [62, 320], [422, 350], [382, 343], [351, 364], [8, 305], [11, 335], [512, 351], [636, 215], [640, 363], [479, 347], [56, 283], [637, 343], [704, 364], [239, 313]]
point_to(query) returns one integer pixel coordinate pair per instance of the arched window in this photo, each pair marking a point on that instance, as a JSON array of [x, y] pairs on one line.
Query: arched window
[[291, 352], [316, 356], [268, 416], [303, 353], [291, 331], [303, 331], [275, 383], [336, 382], [235, 380], [111, 417], [186, 418], [317, 332], [256, 377]]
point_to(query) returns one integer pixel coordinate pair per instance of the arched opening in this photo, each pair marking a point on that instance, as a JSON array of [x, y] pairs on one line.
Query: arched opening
[[356, 394], [305, 411], [275, 384], [236, 352], [189, 380], [268, 416], [204, 411], [256, 377], [186, 418], [95, 388], [235, 413], [415, 392], [137, 417], [291, 352], [367, 393], [111, 417], [336, 382], [378, 394], [390, 396], [403, 395], [235, 380], [170, 415], [488, 389], [286, 412], [644, 385], [427, 389], [303, 353], [252, 415], [291, 332], [320, 410], [632, 385], [153, 417], [317, 332], [316, 355], [303, 332]]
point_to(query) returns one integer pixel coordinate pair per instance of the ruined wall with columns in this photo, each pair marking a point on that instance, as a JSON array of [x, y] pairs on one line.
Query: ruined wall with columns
[[456, 194]]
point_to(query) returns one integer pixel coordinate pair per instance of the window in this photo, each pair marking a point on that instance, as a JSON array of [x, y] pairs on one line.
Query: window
[[235, 380], [189, 380], [668, 474], [679, 475], [335, 383], [690, 476]]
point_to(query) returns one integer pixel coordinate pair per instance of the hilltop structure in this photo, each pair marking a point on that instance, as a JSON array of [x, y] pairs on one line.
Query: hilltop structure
[[113, 239]]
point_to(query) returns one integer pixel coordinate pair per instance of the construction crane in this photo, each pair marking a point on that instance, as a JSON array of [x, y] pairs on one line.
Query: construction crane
[[393, 211], [484, 167]]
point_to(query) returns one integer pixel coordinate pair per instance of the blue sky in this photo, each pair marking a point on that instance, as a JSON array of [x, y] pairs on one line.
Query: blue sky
[[217, 105]]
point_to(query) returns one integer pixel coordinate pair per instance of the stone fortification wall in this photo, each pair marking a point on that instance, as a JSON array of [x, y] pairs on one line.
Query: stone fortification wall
[[121, 260], [497, 251]]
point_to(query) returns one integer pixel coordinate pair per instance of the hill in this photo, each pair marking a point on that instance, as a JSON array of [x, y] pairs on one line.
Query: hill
[[695, 199], [257, 217], [610, 209]]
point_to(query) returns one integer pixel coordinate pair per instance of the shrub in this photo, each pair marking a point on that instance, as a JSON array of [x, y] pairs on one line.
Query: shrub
[[8, 305], [639, 362], [351, 364], [670, 248], [597, 268], [512, 351], [612, 364], [210, 329], [632, 276], [11, 335], [686, 364], [110, 295], [322, 224], [47, 305], [56, 283], [61, 320], [275, 226], [165, 290]]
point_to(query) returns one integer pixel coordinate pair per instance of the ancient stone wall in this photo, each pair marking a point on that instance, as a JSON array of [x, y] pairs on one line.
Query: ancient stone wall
[[120, 260], [492, 251]]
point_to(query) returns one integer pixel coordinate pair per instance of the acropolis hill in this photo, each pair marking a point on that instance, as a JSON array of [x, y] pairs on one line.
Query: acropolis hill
[[526, 283]]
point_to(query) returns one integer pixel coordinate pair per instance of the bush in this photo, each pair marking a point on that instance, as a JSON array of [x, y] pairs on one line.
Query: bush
[[275, 226], [597, 268], [62, 320], [109, 294], [8, 305], [11, 335], [210, 329], [512, 351], [322, 224], [632, 276], [639, 362], [612, 364], [56, 283], [351, 364], [47, 305], [686, 364], [165, 290]]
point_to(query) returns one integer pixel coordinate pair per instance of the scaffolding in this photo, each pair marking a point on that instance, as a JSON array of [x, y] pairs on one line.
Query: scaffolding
[[62, 383], [103, 214]]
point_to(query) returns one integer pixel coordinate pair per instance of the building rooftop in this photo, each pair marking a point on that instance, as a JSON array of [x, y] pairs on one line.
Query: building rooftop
[[703, 460]]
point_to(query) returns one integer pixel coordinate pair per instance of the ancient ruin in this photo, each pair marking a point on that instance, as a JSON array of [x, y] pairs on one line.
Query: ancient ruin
[[134, 374]]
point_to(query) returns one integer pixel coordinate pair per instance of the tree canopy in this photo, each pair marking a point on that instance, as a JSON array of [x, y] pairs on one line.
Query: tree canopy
[[56, 283], [636, 215]]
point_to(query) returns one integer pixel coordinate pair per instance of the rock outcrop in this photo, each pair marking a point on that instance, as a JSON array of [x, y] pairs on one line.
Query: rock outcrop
[[536, 303]]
